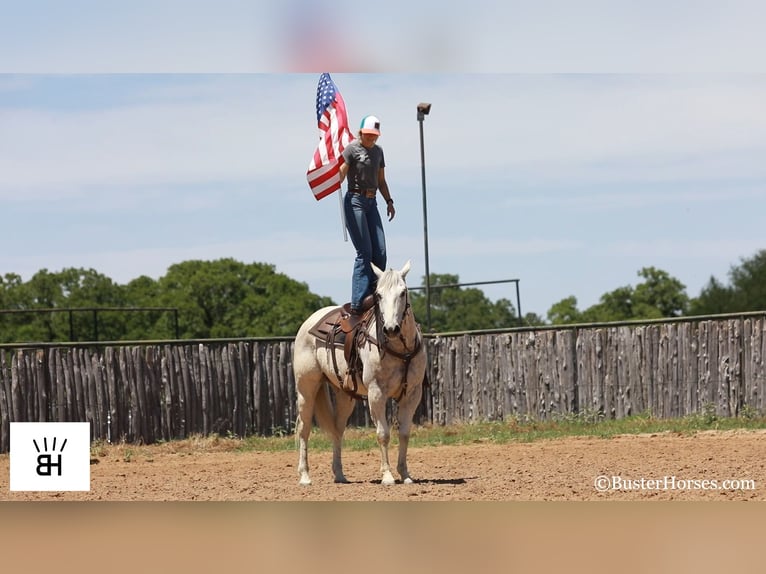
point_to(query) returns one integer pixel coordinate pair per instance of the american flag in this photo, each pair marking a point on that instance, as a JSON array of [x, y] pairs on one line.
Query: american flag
[[334, 135]]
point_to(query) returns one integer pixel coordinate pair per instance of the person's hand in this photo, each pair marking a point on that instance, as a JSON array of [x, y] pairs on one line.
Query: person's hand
[[390, 210]]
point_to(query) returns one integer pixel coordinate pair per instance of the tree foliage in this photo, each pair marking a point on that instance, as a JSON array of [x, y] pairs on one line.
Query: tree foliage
[[461, 309], [223, 298], [659, 295], [565, 312], [58, 291], [746, 291], [226, 298]]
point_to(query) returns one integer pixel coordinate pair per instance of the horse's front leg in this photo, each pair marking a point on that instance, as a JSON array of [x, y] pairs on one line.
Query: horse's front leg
[[377, 402], [406, 411]]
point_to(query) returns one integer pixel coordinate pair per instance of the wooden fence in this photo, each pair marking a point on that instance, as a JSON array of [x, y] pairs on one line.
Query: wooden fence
[[669, 369], [161, 391]]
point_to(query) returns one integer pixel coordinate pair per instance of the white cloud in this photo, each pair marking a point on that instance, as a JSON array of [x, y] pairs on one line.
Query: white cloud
[[622, 200], [555, 127], [214, 166], [709, 250], [548, 128], [49, 152], [467, 247]]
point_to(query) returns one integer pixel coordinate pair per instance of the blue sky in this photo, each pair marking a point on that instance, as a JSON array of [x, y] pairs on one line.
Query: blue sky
[[569, 177]]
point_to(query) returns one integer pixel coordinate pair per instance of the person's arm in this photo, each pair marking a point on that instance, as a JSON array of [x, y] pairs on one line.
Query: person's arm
[[343, 170], [383, 186]]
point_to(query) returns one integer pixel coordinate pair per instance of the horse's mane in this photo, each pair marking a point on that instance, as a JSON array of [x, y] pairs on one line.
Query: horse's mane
[[388, 280]]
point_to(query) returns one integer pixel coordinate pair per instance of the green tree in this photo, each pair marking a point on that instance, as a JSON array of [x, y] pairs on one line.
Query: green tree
[[84, 288], [223, 298], [749, 283], [616, 305], [70, 287], [13, 297], [533, 320], [144, 292], [660, 292], [42, 291], [460, 309], [746, 291], [659, 295], [565, 312], [227, 298], [713, 299]]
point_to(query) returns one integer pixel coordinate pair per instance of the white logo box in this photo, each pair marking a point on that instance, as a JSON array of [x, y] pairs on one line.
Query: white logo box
[[50, 456]]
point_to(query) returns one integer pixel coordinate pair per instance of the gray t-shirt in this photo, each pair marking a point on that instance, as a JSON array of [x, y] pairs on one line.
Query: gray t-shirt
[[363, 165]]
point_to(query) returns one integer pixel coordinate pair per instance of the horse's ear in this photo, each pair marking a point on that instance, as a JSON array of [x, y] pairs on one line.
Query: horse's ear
[[406, 268], [375, 269]]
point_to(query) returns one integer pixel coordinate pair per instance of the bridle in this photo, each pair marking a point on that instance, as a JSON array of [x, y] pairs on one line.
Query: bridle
[[382, 340]]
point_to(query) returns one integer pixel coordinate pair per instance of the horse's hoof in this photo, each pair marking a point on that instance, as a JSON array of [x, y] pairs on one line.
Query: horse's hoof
[[305, 481], [408, 480], [341, 480], [388, 480]]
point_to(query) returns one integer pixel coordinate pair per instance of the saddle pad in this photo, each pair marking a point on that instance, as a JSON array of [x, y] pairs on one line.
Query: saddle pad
[[326, 324]]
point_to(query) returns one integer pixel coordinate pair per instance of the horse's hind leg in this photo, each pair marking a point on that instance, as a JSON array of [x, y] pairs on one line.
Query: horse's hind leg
[[332, 420], [305, 405], [344, 406]]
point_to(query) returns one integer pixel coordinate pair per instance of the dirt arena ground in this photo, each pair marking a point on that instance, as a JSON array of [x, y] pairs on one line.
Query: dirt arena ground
[[661, 466]]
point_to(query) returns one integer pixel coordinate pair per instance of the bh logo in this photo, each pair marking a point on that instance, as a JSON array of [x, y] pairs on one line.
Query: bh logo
[[44, 462], [50, 456]]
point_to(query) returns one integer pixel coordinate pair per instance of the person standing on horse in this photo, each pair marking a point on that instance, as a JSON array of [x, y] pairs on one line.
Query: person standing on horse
[[364, 168]]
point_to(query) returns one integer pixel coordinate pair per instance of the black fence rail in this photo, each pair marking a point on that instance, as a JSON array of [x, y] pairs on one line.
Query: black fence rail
[[150, 391], [93, 312]]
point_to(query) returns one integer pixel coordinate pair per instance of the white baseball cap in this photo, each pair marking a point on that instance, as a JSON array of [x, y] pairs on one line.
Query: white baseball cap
[[370, 125]]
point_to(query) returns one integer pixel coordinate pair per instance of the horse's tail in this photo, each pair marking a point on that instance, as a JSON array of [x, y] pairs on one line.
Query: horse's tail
[[324, 411]]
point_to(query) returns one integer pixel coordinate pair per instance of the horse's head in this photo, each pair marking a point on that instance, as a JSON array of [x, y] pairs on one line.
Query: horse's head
[[391, 297]]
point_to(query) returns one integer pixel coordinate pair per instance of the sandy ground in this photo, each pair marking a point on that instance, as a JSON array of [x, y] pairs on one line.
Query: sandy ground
[[661, 466]]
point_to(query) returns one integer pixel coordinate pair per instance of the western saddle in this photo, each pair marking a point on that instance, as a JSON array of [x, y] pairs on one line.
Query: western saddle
[[340, 328]]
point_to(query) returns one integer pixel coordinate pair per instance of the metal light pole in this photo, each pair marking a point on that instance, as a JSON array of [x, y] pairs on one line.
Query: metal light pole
[[423, 111]]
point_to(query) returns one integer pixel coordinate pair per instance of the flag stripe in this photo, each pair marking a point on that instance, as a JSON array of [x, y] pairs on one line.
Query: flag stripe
[[323, 174]]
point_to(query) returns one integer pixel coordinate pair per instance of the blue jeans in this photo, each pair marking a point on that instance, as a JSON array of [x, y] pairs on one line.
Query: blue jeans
[[366, 231]]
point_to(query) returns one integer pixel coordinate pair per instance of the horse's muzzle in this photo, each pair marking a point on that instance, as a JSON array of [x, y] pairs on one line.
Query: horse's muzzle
[[392, 330]]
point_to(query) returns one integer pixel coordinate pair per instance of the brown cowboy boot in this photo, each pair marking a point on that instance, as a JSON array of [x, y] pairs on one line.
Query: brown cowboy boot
[[367, 303]]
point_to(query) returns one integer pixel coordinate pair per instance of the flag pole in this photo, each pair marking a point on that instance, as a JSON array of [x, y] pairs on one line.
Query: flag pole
[[342, 214]]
